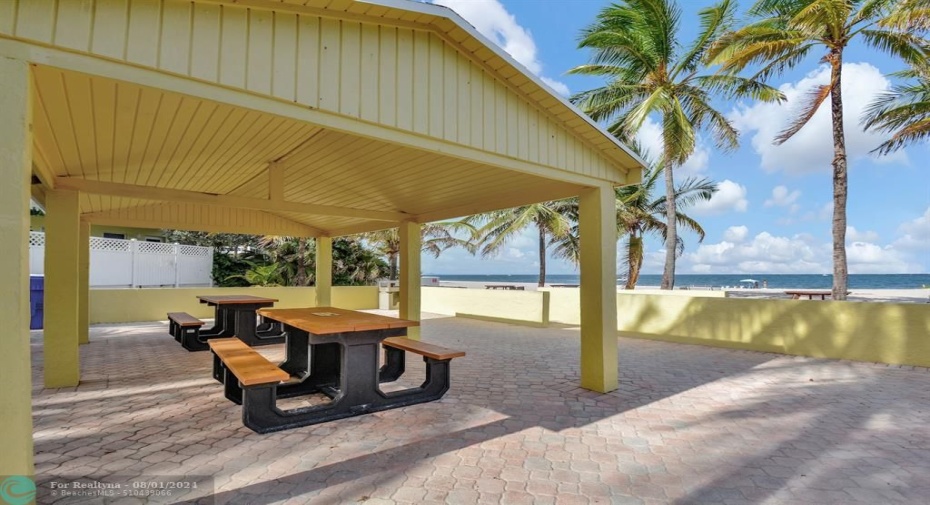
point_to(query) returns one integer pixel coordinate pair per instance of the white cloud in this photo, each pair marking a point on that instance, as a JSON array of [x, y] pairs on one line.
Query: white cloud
[[514, 253], [915, 234], [736, 234], [854, 235], [867, 258], [557, 86], [730, 197], [767, 253], [650, 136], [782, 197], [493, 21], [811, 149]]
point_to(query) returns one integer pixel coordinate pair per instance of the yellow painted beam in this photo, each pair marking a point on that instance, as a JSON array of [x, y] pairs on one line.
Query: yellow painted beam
[[62, 242], [410, 246], [514, 200], [241, 202], [84, 284], [324, 271], [15, 364], [598, 242], [362, 228], [41, 168], [276, 182], [201, 221]]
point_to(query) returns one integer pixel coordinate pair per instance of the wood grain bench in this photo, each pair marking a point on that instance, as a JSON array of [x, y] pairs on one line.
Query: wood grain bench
[[252, 381], [239, 366], [185, 328], [437, 360]]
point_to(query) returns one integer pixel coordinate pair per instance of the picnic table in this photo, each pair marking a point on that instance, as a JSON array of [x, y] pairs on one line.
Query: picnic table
[[331, 351], [811, 293], [504, 286], [235, 316]]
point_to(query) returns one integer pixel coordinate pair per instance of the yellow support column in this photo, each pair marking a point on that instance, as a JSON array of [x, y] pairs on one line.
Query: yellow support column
[[597, 223], [324, 271], [84, 284], [409, 275], [15, 170], [62, 249]]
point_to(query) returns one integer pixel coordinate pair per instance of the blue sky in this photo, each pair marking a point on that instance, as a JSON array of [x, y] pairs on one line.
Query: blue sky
[[773, 211]]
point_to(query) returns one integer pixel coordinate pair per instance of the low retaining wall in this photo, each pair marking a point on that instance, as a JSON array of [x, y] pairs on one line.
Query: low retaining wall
[[530, 308], [130, 305], [893, 333]]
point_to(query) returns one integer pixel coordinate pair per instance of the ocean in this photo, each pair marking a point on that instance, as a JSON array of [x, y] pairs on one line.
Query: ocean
[[778, 281]]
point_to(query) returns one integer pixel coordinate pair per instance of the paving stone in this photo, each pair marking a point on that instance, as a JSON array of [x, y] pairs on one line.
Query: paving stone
[[688, 424]]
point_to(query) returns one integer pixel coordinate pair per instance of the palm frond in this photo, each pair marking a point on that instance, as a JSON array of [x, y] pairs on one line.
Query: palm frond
[[815, 97], [910, 48]]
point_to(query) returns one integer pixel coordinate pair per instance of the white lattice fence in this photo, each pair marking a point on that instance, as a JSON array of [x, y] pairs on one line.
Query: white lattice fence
[[36, 253], [110, 262], [130, 263]]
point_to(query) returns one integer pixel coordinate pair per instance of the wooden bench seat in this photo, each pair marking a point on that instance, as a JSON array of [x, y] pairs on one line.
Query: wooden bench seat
[[424, 349], [238, 366], [394, 362], [185, 328]]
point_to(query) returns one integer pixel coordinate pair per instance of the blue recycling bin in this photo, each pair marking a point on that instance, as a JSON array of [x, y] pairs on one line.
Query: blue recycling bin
[[36, 301]]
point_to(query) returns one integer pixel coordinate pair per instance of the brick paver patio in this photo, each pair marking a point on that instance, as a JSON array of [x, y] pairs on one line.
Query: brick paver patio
[[689, 424]]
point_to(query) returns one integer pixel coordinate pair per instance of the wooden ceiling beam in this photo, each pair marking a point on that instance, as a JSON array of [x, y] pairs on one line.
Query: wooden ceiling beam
[[182, 196]]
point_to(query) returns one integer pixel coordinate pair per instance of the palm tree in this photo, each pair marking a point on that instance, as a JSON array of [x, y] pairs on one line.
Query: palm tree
[[261, 275], [639, 213], [292, 255], [904, 112], [784, 32], [552, 220], [649, 72], [436, 237], [356, 265]]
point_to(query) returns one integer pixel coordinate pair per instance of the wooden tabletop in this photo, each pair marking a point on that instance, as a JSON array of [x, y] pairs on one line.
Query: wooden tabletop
[[327, 320], [235, 299]]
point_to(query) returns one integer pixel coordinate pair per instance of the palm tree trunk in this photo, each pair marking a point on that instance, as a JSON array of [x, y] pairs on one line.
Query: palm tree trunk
[[635, 260], [392, 259], [301, 262], [840, 182], [671, 241], [542, 255]]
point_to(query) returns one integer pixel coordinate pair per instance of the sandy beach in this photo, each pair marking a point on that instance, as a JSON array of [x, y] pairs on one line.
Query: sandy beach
[[855, 295]]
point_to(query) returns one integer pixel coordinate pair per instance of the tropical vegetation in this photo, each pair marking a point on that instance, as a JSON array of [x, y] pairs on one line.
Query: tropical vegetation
[[252, 260], [640, 212], [903, 112], [782, 33], [649, 72], [493, 230], [435, 238]]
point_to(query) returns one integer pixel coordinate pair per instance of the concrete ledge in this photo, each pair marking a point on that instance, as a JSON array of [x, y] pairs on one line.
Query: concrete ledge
[[519, 322], [151, 304]]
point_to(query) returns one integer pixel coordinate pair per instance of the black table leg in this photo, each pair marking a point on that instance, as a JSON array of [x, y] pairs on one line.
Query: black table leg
[[246, 320], [357, 392], [317, 365], [224, 324]]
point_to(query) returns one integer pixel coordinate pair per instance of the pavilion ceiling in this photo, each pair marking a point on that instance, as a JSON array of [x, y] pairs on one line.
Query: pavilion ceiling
[[125, 146]]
